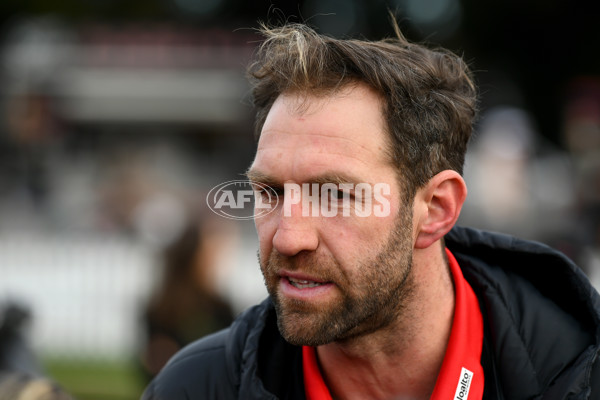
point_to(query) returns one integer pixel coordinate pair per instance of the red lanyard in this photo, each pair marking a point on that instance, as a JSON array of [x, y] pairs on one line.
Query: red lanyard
[[461, 376], [314, 386]]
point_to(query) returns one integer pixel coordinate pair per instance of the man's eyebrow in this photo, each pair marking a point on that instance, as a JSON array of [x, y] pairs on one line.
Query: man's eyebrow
[[260, 177], [327, 177], [335, 178]]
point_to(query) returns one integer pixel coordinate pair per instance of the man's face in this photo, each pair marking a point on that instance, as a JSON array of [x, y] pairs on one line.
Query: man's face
[[331, 277]]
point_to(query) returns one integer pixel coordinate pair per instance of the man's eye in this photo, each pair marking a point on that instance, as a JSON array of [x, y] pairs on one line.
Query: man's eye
[[277, 192], [338, 195], [267, 192]]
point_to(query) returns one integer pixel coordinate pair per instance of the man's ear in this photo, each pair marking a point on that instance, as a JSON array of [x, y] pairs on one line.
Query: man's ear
[[437, 207]]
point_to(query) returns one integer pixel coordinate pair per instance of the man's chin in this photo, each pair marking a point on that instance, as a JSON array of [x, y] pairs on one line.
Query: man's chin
[[301, 329], [303, 337]]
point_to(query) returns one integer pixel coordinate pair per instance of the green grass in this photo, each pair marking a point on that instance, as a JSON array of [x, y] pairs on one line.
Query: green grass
[[96, 380]]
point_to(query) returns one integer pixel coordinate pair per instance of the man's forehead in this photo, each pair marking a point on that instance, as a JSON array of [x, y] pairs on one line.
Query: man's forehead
[[353, 114], [306, 136], [303, 102]]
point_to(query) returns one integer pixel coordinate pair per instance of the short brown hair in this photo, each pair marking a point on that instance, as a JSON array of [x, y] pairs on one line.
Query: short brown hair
[[429, 99]]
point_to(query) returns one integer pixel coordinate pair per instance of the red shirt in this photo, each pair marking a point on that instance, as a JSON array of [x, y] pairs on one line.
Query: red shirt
[[461, 376]]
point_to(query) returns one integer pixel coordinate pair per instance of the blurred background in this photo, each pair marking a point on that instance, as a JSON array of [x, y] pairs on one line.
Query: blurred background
[[118, 116]]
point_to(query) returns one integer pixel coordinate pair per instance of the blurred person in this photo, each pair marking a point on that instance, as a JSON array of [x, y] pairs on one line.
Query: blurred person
[[21, 377], [398, 303], [34, 137], [582, 117], [582, 138], [531, 179], [187, 304], [15, 352], [504, 149], [34, 52]]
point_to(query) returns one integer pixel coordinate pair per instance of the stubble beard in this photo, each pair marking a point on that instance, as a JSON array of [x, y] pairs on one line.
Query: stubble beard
[[365, 305]]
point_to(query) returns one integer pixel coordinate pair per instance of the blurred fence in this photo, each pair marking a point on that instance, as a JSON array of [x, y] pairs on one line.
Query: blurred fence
[[85, 293]]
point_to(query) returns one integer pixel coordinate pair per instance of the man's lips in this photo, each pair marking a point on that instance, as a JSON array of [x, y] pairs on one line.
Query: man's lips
[[301, 281], [298, 285]]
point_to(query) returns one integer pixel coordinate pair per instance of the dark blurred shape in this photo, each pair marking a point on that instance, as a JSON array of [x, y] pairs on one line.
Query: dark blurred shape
[[582, 116], [438, 19], [336, 17], [186, 304], [581, 134], [20, 374], [15, 354], [199, 7]]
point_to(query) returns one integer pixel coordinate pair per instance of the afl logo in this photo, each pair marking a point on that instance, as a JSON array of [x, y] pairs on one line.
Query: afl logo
[[242, 200]]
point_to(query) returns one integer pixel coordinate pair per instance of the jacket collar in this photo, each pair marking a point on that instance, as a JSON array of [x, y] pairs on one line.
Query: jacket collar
[[542, 313]]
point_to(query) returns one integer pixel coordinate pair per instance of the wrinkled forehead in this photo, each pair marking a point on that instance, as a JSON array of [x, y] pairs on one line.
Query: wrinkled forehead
[[352, 114]]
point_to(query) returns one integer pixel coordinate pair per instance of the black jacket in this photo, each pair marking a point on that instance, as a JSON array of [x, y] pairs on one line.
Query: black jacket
[[542, 335]]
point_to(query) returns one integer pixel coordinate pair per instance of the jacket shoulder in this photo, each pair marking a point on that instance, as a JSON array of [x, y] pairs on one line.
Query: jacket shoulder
[[542, 312], [199, 368], [209, 368]]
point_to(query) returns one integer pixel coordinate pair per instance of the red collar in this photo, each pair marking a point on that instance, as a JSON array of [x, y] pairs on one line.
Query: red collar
[[314, 385], [461, 375]]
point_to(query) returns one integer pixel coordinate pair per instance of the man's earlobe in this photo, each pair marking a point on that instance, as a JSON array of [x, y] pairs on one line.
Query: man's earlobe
[[440, 203]]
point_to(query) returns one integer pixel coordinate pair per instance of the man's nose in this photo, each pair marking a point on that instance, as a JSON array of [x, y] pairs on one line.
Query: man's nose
[[295, 232]]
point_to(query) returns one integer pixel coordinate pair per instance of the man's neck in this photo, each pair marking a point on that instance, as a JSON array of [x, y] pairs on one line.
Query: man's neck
[[403, 360]]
